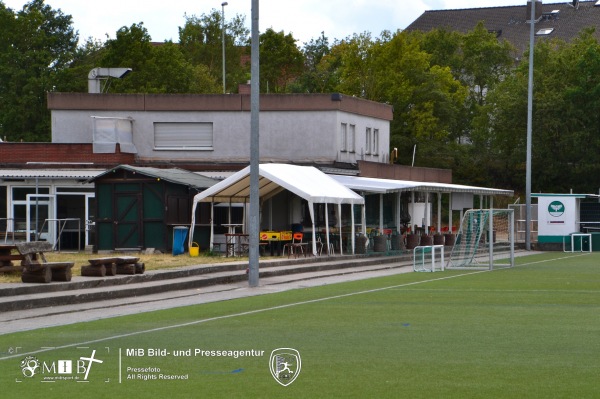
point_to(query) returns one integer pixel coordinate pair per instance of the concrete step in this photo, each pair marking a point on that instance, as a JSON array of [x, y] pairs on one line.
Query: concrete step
[[91, 289]]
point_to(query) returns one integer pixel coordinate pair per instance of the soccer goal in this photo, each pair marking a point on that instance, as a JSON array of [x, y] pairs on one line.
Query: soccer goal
[[428, 258], [485, 240]]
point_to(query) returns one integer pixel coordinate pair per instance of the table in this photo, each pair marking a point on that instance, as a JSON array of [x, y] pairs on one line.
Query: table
[[6, 258], [231, 227], [235, 243]]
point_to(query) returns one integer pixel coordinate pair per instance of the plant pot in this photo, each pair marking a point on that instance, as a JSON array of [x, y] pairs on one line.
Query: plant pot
[[397, 243], [449, 239], [412, 241], [361, 244], [379, 244], [438, 239], [426, 240]]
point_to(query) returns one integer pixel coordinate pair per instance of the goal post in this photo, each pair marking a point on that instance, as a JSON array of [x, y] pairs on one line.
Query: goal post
[[428, 258], [485, 240]]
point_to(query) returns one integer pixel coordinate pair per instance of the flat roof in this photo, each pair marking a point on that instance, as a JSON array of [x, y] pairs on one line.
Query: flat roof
[[382, 186], [50, 173]]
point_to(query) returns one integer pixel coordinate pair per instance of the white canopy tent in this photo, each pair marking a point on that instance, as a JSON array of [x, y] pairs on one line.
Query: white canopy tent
[[306, 182], [385, 186]]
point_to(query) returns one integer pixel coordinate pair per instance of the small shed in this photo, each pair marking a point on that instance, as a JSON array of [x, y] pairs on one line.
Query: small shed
[[137, 207]]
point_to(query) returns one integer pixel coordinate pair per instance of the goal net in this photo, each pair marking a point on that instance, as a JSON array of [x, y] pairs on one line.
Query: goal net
[[485, 240], [428, 258]]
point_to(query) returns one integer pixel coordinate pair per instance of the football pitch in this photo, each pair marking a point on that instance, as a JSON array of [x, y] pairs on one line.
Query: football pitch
[[532, 331]]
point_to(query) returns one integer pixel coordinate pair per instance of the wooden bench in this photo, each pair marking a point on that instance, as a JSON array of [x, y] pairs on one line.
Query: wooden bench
[[7, 257], [111, 266], [100, 267], [36, 269]]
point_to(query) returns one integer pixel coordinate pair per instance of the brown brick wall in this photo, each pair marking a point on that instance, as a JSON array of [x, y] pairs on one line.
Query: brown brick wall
[[403, 172], [19, 154], [218, 102]]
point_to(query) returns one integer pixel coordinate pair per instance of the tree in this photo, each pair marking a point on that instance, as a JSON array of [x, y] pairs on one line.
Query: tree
[[131, 48], [355, 73], [281, 61], [200, 40], [565, 136], [318, 73], [38, 44], [157, 67], [427, 99]]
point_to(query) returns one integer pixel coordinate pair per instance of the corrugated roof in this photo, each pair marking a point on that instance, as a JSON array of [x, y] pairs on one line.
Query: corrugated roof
[[172, 175], [50, 173]]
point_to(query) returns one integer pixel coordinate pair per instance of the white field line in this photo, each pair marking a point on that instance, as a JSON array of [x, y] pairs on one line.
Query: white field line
[[251, 312]]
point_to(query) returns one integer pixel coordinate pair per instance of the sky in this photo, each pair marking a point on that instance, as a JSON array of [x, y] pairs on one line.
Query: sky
[[304, 19]]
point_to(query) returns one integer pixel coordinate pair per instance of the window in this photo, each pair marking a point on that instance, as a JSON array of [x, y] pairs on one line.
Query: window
[[352, 138], [108, 131], [375, 141], [368, 141], [344, 137], [183, 136]]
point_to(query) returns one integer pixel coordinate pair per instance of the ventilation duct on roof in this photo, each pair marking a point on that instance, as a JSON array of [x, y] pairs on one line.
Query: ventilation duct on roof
[[98, 74]]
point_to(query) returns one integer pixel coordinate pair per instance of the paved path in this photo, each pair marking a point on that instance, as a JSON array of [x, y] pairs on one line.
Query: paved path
[[23, 320], [56, 315]]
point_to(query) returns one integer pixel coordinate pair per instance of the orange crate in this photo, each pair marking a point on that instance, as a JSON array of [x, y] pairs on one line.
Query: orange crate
[[286, 236], [269, 236]]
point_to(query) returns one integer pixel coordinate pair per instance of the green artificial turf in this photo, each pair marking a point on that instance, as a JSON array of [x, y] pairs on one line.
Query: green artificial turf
[[531, 331]]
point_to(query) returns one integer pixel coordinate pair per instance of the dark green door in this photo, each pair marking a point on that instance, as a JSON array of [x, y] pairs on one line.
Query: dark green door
[[128, 220]]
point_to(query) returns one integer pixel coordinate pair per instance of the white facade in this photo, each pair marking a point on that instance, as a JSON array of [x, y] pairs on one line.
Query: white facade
[[297, 129]]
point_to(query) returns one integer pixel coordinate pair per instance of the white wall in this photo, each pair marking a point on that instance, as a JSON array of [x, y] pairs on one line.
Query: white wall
[[290, 136]]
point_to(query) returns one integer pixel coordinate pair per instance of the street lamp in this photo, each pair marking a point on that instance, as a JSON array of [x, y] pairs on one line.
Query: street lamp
[[223, 4]]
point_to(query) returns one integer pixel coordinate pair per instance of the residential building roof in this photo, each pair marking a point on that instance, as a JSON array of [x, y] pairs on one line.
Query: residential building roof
[[510, 23]]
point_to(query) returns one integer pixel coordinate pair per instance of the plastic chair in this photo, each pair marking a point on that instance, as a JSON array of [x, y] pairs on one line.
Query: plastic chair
[[296, 246]]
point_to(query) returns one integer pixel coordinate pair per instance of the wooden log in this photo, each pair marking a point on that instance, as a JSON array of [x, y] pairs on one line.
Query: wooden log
[[111, 269], [10, 269], [93, 270], [62, 274], [43, 275], [125, 268], [140, 268]]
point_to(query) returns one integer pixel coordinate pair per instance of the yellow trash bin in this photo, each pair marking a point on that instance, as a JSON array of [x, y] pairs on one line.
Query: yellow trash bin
[[194, 249]]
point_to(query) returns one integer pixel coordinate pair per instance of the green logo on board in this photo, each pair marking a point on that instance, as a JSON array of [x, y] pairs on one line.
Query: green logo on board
[[556, 208]]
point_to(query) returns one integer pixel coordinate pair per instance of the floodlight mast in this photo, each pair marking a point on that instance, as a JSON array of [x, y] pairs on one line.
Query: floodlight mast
[[253, 212], [223, 4], [529, 128]]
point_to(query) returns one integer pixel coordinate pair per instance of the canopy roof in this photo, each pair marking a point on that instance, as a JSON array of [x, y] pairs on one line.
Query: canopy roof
[[305, 181], [382, 186]]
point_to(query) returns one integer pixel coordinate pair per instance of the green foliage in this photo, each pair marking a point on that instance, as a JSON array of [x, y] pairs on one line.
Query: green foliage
[[38, 43], [461, 98], [281, 61], [200, 40]]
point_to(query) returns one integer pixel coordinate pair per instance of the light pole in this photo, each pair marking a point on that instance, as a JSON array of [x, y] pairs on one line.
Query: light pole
[[223, 4], [529, 132]]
